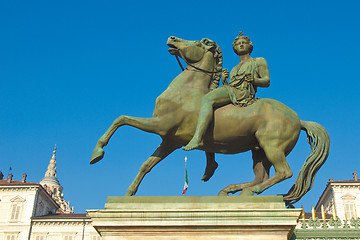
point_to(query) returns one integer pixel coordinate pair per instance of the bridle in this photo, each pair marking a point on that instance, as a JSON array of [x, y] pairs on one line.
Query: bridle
[[202, 70]]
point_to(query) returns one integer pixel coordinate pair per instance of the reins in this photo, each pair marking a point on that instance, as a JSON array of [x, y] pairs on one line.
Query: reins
[[177, 58], [203, 70]]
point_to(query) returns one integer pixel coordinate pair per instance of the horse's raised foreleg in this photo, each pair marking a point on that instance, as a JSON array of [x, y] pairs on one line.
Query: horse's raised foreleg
[[211, 166], [161, 152], [276, 156], [261, 167], [145, 124]]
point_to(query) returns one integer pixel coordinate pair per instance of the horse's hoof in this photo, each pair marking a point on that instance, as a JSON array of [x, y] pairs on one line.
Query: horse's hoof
[[205, 178], [130, 192], [209, 171], [223, 193], [97, 155], [246, 193]]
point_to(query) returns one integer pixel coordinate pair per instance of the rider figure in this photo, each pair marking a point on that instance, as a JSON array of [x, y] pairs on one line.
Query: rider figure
[[245, 77]]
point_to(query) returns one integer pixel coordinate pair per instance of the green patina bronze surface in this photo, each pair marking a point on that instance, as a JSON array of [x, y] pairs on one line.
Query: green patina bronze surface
[[184, 117], [245, 77]]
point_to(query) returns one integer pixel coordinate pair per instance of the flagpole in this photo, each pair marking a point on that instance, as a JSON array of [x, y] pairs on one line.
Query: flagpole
[[186, 179], [185, 175]]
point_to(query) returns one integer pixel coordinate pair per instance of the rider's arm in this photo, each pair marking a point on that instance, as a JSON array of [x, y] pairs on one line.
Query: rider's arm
[[264, 80], [214, 84]]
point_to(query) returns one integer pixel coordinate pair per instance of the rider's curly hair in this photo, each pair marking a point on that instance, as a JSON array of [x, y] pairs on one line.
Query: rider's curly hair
[[246, 39]]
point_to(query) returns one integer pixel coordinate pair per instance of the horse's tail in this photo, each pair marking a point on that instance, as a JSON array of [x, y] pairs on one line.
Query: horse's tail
[[319, 141]]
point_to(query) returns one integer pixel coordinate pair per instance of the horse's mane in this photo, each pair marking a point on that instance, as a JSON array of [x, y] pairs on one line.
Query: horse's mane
[[218, 60]]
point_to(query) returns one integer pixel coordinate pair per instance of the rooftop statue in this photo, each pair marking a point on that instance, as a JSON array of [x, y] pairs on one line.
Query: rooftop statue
[[194, 112]]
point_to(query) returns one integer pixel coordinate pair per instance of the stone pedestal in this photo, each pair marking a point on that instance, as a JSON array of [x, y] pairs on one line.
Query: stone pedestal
[[213, 217]]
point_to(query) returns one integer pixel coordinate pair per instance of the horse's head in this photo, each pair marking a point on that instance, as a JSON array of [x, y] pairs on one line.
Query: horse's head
[[195, 52], [190, 51]]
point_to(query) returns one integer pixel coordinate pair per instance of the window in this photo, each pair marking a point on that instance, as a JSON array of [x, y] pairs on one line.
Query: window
[[68, 237], [39, 237], [11, 236], [349, 206], [16, 207], [349, 210], [15, 212]]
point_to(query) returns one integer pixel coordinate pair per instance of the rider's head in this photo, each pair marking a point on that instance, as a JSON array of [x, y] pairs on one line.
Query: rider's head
[[242, 45]]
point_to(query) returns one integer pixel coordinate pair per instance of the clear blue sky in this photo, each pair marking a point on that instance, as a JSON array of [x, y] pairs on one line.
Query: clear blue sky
[[69, 68]]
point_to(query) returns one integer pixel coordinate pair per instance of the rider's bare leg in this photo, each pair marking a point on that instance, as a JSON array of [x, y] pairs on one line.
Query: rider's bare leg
[[216, 98], [145, 124], [211, 166]]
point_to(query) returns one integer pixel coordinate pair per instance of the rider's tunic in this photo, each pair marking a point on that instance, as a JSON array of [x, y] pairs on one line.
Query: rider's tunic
[[242, 92]]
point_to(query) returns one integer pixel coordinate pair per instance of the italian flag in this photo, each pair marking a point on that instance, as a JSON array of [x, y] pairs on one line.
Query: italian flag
[[186, 179]]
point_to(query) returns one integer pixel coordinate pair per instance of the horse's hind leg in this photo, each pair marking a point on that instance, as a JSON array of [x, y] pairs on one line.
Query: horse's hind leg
[[261, 167], [276, 156], [145, 124], [211, 166], [161, 152]]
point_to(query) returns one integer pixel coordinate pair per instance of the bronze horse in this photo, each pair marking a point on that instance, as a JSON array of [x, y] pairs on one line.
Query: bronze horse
[[267, 127]]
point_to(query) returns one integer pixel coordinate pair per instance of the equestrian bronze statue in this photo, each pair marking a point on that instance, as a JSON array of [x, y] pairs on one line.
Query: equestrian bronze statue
[[266, 127]]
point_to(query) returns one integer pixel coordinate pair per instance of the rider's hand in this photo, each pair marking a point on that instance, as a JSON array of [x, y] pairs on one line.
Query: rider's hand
[[224, 76], [249, 77]]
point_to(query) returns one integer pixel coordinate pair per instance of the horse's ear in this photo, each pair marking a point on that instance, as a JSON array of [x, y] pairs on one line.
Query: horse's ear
[[210, 48], [208, 44]]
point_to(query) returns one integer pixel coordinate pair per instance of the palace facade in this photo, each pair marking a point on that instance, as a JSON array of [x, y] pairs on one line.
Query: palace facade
[[39, 211]]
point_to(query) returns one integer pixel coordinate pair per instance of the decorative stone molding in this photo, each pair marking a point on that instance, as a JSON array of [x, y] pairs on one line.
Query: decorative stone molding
[[343, 186], [18, 189], [53, 222], [348, 196], [17, 199]]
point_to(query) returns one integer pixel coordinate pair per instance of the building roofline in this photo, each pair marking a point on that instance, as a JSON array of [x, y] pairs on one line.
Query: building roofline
[[323, 194], [5, 183], [351, 182], [347, 181], [19, 184], [49, 196], [63, 216]]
